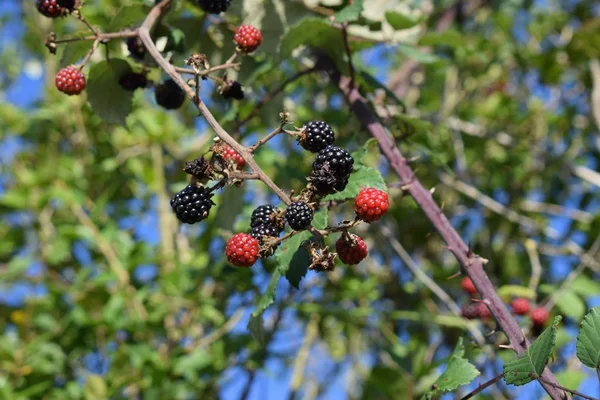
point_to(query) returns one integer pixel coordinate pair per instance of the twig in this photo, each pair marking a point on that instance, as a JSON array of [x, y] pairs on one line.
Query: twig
[[190, 71], [220, 331], [348, 54], [550, 301], [89, 54], [165, 216], [264, 140], [246, 391], [595, 96], [312, 330], [144, 34], [102, 36], [536, 266], [572, 391], [85, 21], [270, 95], [555, 209], [471, 263], [483, 386]]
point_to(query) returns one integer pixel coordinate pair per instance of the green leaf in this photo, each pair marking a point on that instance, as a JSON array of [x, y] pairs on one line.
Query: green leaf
[[95, 388], [570, 304], [350, 12], [360, 154], [448, 38], [507, 292], [264, 302], [588, 339], [298, 267], [458, 372], [320, 219], [107, 98], [191, 363], [313, 32], [584, 286], [370, 80], [531, 364], [361, 178], [75, 51], [175, 41], [400, 21], [416, 54]]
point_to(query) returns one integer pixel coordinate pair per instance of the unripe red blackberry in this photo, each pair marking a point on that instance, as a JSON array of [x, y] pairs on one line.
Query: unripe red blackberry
[[467, 285], [169, 95], [233, 90], [371, 204], [70, 80], [316, 135], [299, 215], [133, 80], [192, 204], [248, 38], [483, 310], [520, 306], [230, 154], [351, 249], [242, 250], [136, 47], [539, 316], [214, 6]]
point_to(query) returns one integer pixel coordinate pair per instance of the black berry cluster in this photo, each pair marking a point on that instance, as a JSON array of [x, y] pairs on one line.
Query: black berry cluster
[[169, 95], [192, 204], [316, 135], [299, 215], [263, 222], [331, 170], [214, 6]]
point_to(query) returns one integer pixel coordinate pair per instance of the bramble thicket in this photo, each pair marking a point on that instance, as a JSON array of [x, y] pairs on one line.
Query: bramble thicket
[[301, 199]]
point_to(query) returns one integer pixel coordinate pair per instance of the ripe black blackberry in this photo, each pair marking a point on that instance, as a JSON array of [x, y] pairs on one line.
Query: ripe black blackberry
[[264, 230], [262, 215], [316, 135], [133, 80], [192, 204], [326, 182], [233, 90], [136, 48], [68, 4], [214, 6], [169, 95], [335, 160], [299, 215]]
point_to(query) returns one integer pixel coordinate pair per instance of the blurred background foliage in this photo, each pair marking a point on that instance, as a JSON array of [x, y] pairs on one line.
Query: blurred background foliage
[[104, 295]]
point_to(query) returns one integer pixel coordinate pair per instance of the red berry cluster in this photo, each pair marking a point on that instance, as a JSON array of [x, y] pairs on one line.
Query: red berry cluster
[[55, 8], [70, 80], [242, 250], [351, 249], [520, 306], [371, 204], [228, 153], [248, 38]]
